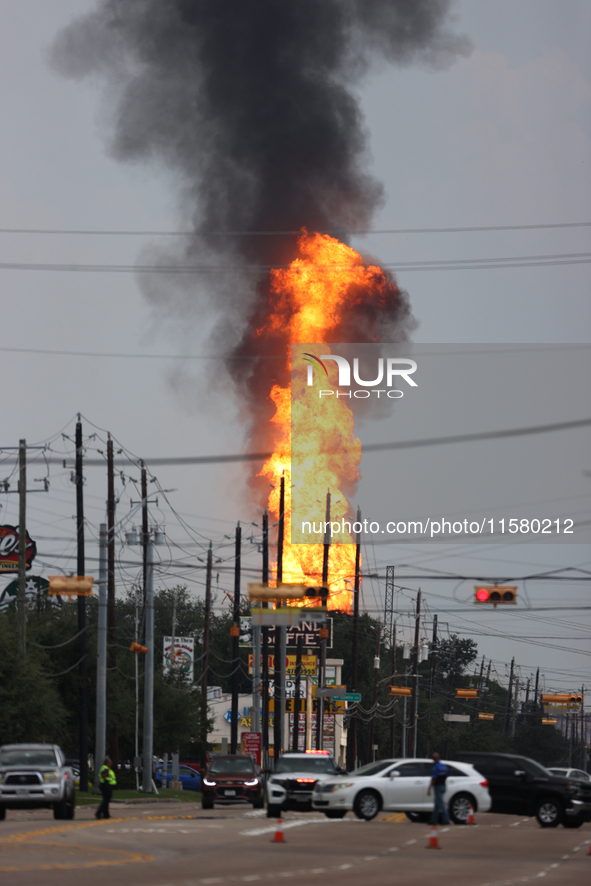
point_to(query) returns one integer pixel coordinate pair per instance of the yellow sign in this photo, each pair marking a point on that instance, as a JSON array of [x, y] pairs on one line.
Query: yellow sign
[[309, 664]]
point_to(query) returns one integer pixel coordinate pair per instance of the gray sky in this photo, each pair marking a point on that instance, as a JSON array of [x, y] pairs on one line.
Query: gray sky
[[501, 138]]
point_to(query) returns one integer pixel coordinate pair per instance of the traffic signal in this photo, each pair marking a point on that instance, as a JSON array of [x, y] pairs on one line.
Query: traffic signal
[[466, 693], [570, 698], [139, 650], [401, 690], [258, 591], [70, 585], [495, 594]]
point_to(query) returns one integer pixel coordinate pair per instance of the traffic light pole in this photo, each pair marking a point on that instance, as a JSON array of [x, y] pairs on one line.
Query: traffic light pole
[[265, 650], [205, 663]]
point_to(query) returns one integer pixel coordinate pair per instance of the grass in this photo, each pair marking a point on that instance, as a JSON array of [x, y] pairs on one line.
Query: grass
[[84, 798]]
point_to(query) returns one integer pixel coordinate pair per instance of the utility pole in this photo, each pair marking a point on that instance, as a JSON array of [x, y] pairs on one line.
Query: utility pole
[[22, 547], [83, 713], [111, 638], [536, 690], [415, 672], [101, 666], [393, 720], [236, 644], [514, 711], [376, 666], [265, 649], [279, 658], [433, 658], [509, 691], [322, 668], [145, 528], [352, 743], [204, 676], [148, 743]]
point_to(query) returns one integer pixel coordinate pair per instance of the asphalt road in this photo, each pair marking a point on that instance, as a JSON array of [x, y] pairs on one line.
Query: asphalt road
[[181, 845]]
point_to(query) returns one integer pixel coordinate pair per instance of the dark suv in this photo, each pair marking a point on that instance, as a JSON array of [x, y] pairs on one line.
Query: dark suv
[[521, 786], [232, 778]]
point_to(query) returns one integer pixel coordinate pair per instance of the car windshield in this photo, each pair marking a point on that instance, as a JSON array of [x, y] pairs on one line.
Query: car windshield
[[240, 766], [534, 768], [21, 757], [318, 764], [371, 768]]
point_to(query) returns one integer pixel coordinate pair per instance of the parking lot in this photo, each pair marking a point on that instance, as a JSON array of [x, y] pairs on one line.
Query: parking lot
[[171, 844]]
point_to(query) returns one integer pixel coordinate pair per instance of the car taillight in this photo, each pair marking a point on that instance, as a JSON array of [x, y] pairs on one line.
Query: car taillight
[[484, 784]]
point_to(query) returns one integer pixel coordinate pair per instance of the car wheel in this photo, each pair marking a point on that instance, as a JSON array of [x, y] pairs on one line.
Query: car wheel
[[207, 804], [2, 813], [367, 805], [59, 810], [549, 813], [335, 813], [258, 804], [419, 817], [572, 822], [273, 811], [459, 808]]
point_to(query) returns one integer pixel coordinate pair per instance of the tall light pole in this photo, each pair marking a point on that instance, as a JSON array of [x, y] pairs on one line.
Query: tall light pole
[[148, 746]]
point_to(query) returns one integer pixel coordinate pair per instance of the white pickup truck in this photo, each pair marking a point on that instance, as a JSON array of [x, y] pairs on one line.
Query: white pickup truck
[[34, 776]]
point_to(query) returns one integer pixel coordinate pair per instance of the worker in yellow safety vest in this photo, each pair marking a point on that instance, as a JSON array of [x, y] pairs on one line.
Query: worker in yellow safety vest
[[107, 782]]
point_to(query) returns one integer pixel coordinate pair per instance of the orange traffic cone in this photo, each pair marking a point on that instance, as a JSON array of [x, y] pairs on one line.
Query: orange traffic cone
[[433, 840], [279, 838], [470, 819]]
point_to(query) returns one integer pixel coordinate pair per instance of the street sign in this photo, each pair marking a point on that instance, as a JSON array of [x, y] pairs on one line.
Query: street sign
[[287, 616], [456, 718], [348, 696]]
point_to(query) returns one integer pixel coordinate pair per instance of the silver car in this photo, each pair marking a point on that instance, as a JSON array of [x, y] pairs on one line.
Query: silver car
[[34, 776]]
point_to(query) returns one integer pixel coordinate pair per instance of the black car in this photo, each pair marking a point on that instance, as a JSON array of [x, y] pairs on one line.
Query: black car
[[521, 786]]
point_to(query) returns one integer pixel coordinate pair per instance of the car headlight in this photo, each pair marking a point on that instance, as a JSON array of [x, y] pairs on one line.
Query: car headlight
[[341, 787], [51, 776], [251, 784], [210, 784]]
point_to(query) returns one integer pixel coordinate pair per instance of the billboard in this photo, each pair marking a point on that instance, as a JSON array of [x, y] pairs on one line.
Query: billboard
[[9, 540], [183, 659]]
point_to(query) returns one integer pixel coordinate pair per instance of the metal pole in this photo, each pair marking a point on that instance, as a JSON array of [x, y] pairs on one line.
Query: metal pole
[[148, 752], [101, 668], [322, 668], [81, 568], [280, 634], [296, 702], [236, 645], [256, 679], [205, 663], [415, 672], [265, 650], [22, 547], [352, 762]]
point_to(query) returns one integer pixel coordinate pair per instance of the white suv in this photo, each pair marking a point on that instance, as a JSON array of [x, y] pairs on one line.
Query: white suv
[[401, 786], [33, 776], [296, 775]]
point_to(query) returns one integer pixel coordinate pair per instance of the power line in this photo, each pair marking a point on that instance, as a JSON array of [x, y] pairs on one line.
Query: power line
[[518, 261], [372, 447], [340, 232]]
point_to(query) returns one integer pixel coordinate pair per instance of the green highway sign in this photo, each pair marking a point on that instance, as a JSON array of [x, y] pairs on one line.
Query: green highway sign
[[348, 696]]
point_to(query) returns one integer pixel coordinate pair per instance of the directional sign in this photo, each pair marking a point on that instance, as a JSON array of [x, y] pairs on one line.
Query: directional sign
[[348, 696]]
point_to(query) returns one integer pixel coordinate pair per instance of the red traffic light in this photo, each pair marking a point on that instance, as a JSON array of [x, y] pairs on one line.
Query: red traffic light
[[482, 595], [495, 594]]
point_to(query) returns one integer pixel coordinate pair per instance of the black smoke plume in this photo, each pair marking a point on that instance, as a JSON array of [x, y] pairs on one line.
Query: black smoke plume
[[252, 104]]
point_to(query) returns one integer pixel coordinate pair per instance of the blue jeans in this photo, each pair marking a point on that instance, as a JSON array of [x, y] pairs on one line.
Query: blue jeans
[[439, 806]]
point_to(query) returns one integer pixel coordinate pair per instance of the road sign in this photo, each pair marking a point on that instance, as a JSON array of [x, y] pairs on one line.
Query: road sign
[[348, 696], [456, 718]]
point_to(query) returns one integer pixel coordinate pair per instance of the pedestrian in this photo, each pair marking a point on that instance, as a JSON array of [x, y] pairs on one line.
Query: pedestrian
[[438, 776], [107, 782]]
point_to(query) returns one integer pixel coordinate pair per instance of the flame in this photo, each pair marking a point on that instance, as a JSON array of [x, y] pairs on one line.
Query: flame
[[309, 300]]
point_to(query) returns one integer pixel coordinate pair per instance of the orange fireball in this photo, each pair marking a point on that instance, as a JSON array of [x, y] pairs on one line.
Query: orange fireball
[[309, 300]]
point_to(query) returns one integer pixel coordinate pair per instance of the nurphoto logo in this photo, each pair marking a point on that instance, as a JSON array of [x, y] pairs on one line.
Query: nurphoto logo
[[389, 371]]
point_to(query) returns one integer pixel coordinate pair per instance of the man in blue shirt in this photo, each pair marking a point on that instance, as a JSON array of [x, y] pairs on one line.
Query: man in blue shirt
[[438, 777]]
